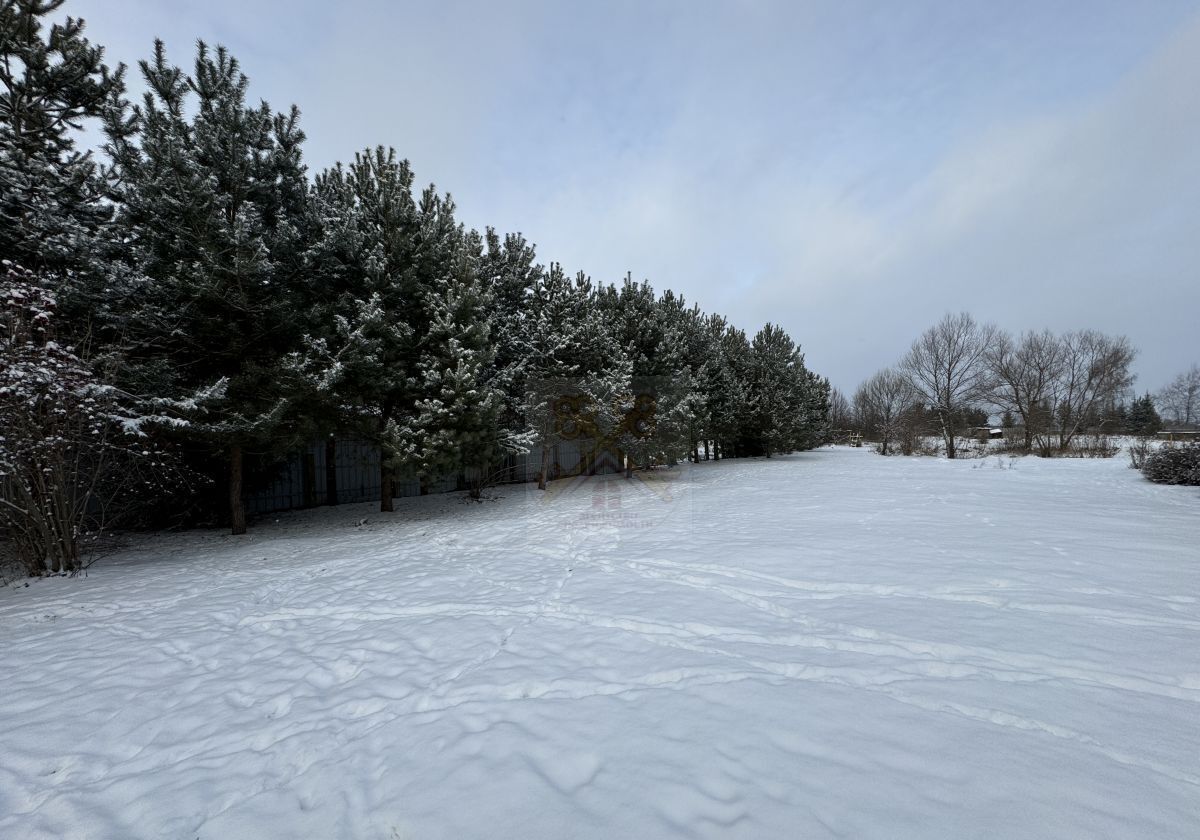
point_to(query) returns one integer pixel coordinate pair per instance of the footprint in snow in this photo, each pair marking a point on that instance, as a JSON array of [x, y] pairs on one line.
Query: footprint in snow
[[565, 772]]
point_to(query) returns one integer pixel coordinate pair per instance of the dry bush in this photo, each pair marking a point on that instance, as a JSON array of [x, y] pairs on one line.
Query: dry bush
[[1139, 451], [1085, 446], [72, 458]]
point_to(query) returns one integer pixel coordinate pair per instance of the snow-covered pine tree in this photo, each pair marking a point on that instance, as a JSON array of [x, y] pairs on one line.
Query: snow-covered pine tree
[[509, 270], [207, 187], [682, 353], [719, 387], [415, 447], [740, 439], [457, 427], [51, 195], [699, 352], [361, 352], [576, 371], [772, 391], [631, 313], [816, 408], [789, 404], [662, 404]]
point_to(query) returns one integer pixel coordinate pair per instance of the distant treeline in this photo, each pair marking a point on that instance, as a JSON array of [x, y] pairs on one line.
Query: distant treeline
[[1045, 388]]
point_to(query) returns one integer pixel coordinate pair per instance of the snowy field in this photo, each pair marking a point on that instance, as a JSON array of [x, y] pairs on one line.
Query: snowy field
[[831, 644]]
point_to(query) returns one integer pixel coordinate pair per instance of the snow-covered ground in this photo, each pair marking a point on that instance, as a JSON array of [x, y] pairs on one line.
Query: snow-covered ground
[[831, 644]]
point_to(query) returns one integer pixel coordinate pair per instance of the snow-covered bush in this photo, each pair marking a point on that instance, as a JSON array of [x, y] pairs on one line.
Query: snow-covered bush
[[72, 455], [1174, 465]]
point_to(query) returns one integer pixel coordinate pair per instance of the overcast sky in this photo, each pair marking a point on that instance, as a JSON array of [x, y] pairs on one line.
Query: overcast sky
[[848, 170]]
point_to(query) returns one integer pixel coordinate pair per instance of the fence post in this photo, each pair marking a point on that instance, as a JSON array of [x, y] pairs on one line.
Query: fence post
[[331, 488]]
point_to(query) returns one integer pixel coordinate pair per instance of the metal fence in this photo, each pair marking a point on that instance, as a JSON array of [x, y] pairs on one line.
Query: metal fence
[[300, 481]]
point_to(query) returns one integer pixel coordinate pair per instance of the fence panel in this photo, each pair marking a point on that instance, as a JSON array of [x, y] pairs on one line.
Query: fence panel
[[300, 480]]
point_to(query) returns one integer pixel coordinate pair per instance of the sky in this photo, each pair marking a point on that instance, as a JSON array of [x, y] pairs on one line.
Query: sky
[[848, 170]]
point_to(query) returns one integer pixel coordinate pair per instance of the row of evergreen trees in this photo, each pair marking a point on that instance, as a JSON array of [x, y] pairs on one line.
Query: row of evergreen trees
[[236, 307]]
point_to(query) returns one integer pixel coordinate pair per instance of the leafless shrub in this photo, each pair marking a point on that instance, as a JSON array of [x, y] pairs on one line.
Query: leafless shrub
[[1082, 446], [927, 445], [1139, 451], [73, 460], [973, 448], [1011, 446]]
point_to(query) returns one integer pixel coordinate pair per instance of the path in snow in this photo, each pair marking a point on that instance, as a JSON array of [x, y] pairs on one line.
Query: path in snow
[[831, 644]]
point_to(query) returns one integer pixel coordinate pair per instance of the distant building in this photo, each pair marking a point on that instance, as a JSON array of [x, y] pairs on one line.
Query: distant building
[[1179, 434]]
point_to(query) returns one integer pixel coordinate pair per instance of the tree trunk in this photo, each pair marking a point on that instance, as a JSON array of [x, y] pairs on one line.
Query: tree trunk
[[308, 478], [947, 426], [237, 510], [544, 475], [386, 491], [385, 488], [331, 496]]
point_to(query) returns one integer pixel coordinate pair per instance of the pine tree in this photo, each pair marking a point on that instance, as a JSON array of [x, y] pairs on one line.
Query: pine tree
[[1143, 419], [510, 270], [420, 449], [789, 405], [815, 425], [209, 189], [680, 402], [631, 313], [361, 354], [576, 371], [458, 424], [774, 394], [410, 361], [732, 412], [51, 194], [698, 354]]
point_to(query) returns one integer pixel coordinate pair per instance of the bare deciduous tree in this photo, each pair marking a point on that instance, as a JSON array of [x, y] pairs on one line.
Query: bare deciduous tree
[[947, 368], [881, 403], [1095, 373], [841, 414], [1180, 400], [1024, 372]]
